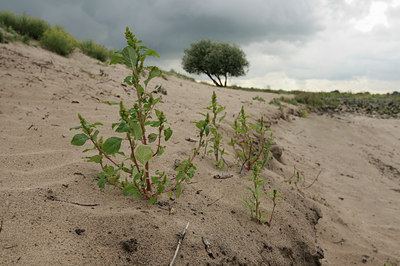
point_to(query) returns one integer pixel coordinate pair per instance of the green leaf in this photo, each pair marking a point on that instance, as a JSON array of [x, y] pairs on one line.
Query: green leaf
[[180, 175], [152, 200], [110, 103], [167, 133], [160, 151], [117, 59], [128, 80], [78, 127], [136, 130], [129, 57], [143, 153], [140, 89], [178, 190], [96, 158], [112, 145], [123, 127], [101, 183], [152, 137], [154, 72], [79, 139], [151, 53], [130, 190]]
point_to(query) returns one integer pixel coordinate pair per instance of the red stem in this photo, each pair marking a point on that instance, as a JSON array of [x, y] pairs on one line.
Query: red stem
[[97, 146]]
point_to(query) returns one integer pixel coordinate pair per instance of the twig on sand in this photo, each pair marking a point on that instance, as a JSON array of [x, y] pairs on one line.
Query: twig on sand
[[209, 204], [74, 203], [181, 237], [1, 225]]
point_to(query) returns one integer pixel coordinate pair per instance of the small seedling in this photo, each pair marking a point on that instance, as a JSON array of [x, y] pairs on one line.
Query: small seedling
[[253, 202], [299, 180], [248, 150], [211, 124], [258, 98], [144, 127]]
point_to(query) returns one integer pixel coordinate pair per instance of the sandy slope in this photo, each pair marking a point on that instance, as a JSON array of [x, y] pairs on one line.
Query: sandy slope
[[42, 177]]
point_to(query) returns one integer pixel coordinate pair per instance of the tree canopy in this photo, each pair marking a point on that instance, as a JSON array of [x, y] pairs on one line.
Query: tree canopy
[[218, 60]]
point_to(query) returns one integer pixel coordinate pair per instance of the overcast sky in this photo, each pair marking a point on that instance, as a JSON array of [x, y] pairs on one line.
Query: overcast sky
[[349, 45]]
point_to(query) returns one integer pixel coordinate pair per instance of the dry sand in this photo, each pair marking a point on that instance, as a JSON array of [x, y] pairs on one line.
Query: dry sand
[[351, 215]]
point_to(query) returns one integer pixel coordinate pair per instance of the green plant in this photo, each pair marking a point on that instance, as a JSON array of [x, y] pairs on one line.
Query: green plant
[[217, 149], [172, 72], [275, 101], [303, 113], [57, 40], [299, 180], [217, 60], [90, 74], [23, 24], [258, 98], [94, 50], [160, 89], [248, 149], [254, 201], [143, 127]]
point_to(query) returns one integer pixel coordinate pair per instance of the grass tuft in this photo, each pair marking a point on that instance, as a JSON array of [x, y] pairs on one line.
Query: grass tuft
[[57, 40]]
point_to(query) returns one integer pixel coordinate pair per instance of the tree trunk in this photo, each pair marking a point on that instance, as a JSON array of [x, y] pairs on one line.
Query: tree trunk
[[215, 82], [226, 78]]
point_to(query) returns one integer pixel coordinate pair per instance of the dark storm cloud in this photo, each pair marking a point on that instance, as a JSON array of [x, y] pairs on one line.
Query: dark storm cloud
[[170, 26]]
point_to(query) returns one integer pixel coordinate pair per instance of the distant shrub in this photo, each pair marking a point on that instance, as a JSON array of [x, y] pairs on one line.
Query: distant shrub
[[258, 98], [94, 50], [57, 40], [311, 99], [304, 113], [24, 24], [32, 27], [8, 19], [2, 39], [275, 101], [179, 75]]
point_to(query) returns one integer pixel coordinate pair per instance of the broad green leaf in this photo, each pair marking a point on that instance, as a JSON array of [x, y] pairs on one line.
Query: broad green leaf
[[123, 127], [180, 175], [96, 158], [112, 145], [128, 80], [130, 190], [154, 72], [167, 133], [117, 59], [143, 153], [79, 139], [152, 200], [152, 137], [101, 183], [129, 57], [140, 89], [151, 52], [136, 130]]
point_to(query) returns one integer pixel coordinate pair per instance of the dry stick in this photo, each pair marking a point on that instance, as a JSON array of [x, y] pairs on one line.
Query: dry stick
[[181, 237], [1, 225], [314, 180], [74, 203], [209, 204]]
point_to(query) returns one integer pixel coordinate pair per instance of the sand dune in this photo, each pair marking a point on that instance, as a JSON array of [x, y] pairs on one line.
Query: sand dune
[[52, 212]]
